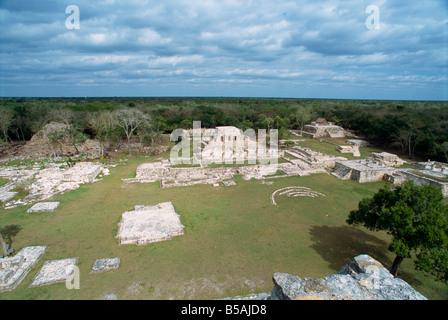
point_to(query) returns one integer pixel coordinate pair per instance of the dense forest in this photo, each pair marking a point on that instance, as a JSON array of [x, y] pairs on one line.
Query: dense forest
[[412, 128]]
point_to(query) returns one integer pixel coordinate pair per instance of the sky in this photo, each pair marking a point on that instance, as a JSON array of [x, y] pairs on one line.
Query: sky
[[336, 49]]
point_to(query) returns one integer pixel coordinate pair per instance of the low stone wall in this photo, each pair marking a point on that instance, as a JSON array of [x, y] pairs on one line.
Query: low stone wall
[[424, 181]]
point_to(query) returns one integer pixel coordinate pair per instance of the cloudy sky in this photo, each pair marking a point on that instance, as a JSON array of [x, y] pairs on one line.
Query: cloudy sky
[[238, 48]]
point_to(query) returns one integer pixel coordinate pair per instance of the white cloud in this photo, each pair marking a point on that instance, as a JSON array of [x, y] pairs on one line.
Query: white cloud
[[289, 43]]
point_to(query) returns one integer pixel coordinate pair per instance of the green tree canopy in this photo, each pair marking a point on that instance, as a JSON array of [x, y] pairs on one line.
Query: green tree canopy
[[417, 220]]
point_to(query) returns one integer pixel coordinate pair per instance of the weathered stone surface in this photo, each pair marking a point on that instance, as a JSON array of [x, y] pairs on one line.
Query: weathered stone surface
[[44, 207], [42, 183], [364, 278], [14, 269], [149, 224], [103, 265], [55, 271]]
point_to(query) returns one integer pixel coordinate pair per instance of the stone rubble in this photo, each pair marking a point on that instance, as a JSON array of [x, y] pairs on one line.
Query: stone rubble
[[14, 269], [42, 183]]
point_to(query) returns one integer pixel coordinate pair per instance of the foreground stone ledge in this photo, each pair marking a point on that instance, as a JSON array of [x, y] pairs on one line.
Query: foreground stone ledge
[[364, 278]]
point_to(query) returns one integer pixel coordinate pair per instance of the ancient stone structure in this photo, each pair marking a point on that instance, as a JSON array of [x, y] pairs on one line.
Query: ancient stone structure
[[323, 128], [364, 278], [16, 176], [55, 180], [350, 149], [44, 207], [42, 183], [103, 265], [295, 192], [301, 162], [149, 224], [41, 144], [388, 159], [358, 142], [422, 177], [14, 269], [55, 271], [361, 170], [230, 145], [311, 161]]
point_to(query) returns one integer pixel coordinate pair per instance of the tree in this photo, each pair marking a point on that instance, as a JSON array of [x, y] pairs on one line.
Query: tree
[[417, 220], [444, 150], [129, 120], [8, 232], [75, 136], [6, 120], [303, 116], [103, 126]]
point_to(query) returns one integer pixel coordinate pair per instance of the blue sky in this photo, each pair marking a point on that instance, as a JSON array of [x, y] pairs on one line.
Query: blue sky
[[237, 48]]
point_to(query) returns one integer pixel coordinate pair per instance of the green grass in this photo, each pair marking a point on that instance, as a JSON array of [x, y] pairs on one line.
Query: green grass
[[234, 241], [3, 181], [331, 149]]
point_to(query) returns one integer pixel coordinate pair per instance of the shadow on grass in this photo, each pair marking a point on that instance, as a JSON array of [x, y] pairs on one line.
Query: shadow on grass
[[339, 245]]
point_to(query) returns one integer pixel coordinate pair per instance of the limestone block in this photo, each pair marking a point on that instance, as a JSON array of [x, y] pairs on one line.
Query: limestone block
[[44, 207]]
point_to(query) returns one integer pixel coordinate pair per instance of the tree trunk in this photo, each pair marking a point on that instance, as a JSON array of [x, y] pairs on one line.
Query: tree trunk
[[394, 270], [5, 249], [129, 145]]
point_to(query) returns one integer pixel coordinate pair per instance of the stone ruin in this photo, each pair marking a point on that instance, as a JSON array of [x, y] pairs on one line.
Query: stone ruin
[[103, 265], [388, 159], [55, 271], [149, 224], [311, 161], [382, 166], [295, 192], [350, 149], [423, 174], [374, 168], [228, 144], [42, 184], [322, 128], [40, 144], [361, 171], [301, 162], [44, 207], [14, 269]]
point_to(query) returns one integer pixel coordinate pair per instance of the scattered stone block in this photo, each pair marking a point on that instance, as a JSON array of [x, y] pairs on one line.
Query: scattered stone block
[[44, 207], [149, 224], [229, 183], [103, 265], [55, 271], [14, 269]]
